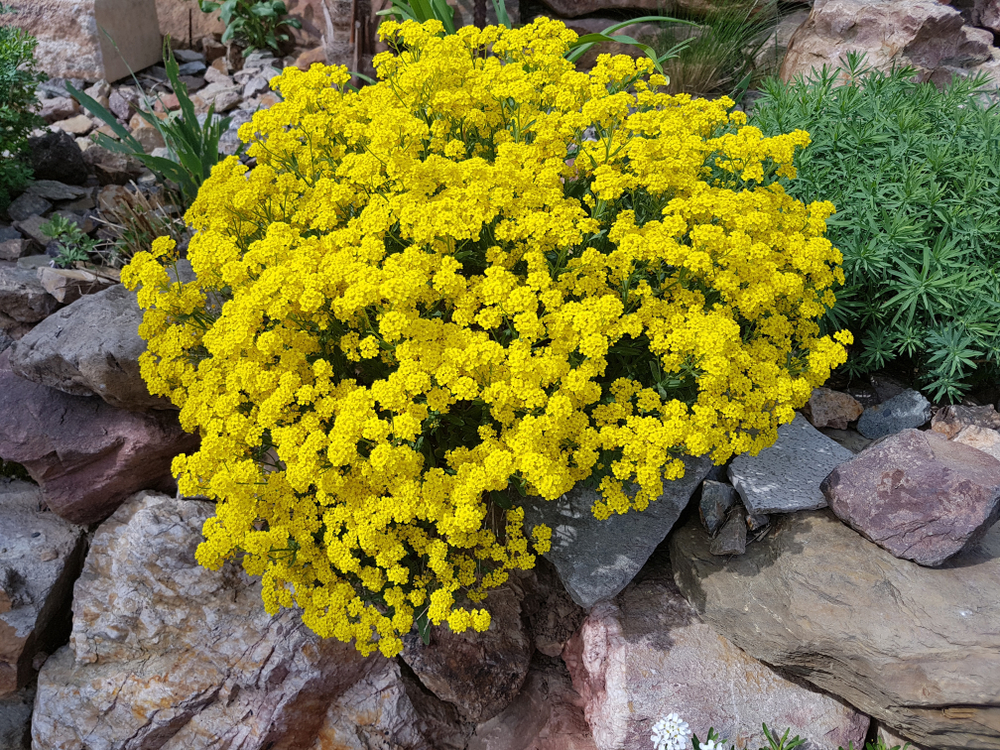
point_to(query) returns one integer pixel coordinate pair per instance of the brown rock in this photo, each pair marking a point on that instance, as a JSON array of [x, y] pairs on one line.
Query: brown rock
[[13, 249], [69, 284], [87, 456], [388, 708], [951, 420], [980, 438], [546, 715], [551, 613], [184, 22], [58, 108], [111, 167], [40, 557], [930, 36], [917, 495], [212, 48], [833, 409], [167, 103], [74, 36], [732, 538], [649, 654], [165, 653], [310, 57], [916, 648], [479, 673], [574, 8]]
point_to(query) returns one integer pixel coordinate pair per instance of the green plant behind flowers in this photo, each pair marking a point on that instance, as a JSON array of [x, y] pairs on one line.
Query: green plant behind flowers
[[914, 173], [439, 10], [256, 24]]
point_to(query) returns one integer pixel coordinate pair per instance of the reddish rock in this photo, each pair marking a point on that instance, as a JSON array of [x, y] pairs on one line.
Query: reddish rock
[[917, 495], [87, 456], [546, 715], [829, 408], [930, 36], [550, 611], [648, 654], [479, 673], [951, 420]]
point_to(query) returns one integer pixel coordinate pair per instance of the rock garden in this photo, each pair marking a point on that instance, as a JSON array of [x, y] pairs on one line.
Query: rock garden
[[449, 386]]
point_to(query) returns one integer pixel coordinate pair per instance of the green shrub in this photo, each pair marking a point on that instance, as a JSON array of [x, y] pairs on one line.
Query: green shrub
[[914, 174], [14, 471], [255, 24], [18, 79]]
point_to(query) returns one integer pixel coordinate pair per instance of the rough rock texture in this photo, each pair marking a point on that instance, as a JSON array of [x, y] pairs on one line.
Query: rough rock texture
[[388, 708], [90, 347], [732, 538], [908, 409], [918, 495], [87, 456], [56, 156], [67, 285], [546, 715], [15, 720], [40, 557], [596, 559], [478, 673], [980, 438], [716, 500], [573, 8], [73, 36], [853, 440], [951, 420], [917, 648], [833, 409], [986, 13], [648, 654], [167, 654], [930, 36], [552, 615], [184, 21], [22, 296], [786, 477]]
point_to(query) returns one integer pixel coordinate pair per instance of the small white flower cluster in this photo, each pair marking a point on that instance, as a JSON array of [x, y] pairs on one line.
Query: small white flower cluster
[[712, 745], [671, 733]]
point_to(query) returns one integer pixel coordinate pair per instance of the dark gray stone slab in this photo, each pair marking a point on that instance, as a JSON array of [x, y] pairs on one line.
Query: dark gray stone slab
[[908, 409]]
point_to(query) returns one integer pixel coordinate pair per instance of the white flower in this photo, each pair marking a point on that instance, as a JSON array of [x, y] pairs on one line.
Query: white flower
[[713, 745], [670, 733]]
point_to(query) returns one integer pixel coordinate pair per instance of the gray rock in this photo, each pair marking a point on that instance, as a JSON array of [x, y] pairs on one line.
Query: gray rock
[[8, 233], [853, 440], [111, 167], [15, 720], [22, 296], [908, 409], [33, 263], [123, 103], [256, 85], [785, 477], [165, 653], [716, 500], [13, 249], [918, 495], [732, 538], [40, 557], [32, 229], [188, 56], [55, 155], [27, 204], [917, 648], [596, 559], [648, 654], [5, 341], [192, 68], [55, 191]]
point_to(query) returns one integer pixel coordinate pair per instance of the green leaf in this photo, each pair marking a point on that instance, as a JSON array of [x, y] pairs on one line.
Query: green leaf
[[99, 111]]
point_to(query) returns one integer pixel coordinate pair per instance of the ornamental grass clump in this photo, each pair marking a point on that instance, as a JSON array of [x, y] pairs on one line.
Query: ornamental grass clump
[[434, 300]]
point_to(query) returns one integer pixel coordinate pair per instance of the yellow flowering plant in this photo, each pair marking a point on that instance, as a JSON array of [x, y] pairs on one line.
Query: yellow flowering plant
[[436, 299]]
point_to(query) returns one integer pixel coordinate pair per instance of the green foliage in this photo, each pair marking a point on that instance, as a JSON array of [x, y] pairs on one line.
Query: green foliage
[[720, 52], [18, 80], [254, 24], [914, 174], [713, 740], [878, 745], [193, 147], [429, 10], [74, 245]]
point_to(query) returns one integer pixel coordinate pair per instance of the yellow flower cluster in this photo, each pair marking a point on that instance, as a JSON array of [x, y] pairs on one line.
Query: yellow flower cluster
[[488, 272]]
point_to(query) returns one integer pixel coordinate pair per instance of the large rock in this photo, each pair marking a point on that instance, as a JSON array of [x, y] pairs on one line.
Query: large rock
[[951, 420], [917, 648], [92, 39], [907, 410], [87, 456], [546, 715], [930, 36], [478, 673], [56, 156], [388, 708], [596, 559], [40, 557], [918, 495], [88, 348], [166, 654], [15, 720], [574, 8], [785, 477], [649, 654], [22, 296]]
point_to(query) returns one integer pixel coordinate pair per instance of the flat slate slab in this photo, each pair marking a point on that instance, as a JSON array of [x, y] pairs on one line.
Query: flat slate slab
[[597, 559], [785, 477]]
